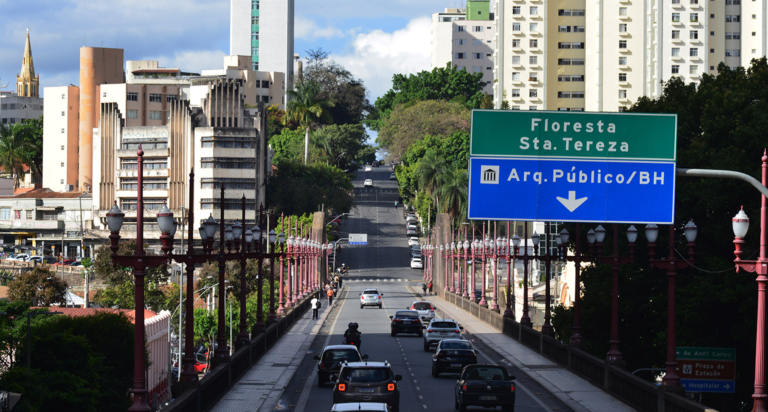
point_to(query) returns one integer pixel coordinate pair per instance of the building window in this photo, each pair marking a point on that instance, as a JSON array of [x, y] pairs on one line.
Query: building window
[[733, 18], [30, 215], [515, 60], [477, 29], [228, 183], [736, 53], [62, 181], [515, 26], [577, 62], [149, 184], [62, 164], [577, 12], [694, 69], [622, 61], [694, 52], [227, 163], [563, 95], [515, 76], [728, 53], [515, 43], [229, 204], [133, 114], [565, 78], [578, 45], [533, 93], [622, 94], [515, 107], [254, 36], [675, 34], [460, 56], [127, 163], [563, 29], [534, 27], [62, 113], [461, 42], [622, 44], [254, 4], [477, 69], [149, 203], [622, 28], [62, 147], [533, 60], [728, 36], [694, 1], [675, 69], [155, 98], [533, 76], [255, 20], [172, 98], [694, 34], [694, 17], [711, 33], [62, 130], [63, 97], [563, 12], [533, 108], [534, 10], [132, 97], [736, 35], [675, 52], [460, 28], [563, 45], [578, 29], [622, 77], [563, 62], [577, 78], [516, 10], [533, 43], [675, 17], [622, 11], [577, 95]]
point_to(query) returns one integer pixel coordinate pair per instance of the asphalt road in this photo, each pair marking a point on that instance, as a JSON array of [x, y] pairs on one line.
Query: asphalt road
[[384, 263]]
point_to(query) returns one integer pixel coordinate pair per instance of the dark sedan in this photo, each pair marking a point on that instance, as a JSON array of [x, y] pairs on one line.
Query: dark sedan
[[452, 355], [406, 321], [485, 385]]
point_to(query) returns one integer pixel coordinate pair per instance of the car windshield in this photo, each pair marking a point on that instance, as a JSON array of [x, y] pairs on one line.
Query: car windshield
[[371, 292], [341, 355], [486, 373], [366, 375], [455, 345], [407, 315], [421, 306], [444, 325]]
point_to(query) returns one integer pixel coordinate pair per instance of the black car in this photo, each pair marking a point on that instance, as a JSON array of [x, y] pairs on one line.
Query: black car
[[485, 385], [452, 355], [329, 363], [406, 321], [367, 382]]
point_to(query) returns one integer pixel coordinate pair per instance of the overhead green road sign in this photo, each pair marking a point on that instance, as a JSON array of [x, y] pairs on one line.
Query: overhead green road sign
[[545, 134], [724, 354]]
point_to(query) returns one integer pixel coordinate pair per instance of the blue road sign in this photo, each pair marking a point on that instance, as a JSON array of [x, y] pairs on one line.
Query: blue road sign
[[571, 190], [714, 386]]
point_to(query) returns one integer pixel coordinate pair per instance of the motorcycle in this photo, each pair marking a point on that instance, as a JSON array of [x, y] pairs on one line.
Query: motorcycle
[[351, 342]]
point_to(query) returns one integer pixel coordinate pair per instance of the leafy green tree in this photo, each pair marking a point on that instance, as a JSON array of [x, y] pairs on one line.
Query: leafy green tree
[[442, 83], [40, 286], [345, 144], [289, 146], [296, 189], [15, 148], [408, 124], [34, 154], [431, 170], [307, 108], [338, 85], [455, 148], [453, 189]]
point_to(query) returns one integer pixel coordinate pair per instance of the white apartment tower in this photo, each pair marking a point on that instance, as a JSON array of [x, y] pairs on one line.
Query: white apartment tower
[[263, 29], [602, 55], [466, 39]]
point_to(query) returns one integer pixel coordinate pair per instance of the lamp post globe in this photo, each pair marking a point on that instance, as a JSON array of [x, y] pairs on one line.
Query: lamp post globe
[[691, 231], [165, 219], [115, 218], [237, 230], [600, 234], [535, 238], [651, 233], [210, 227], [516, 240], [591, 235], [632, 234], [281, 238], [272, 237], [740, 224], [202, 233], [228, 233], [564, 236]]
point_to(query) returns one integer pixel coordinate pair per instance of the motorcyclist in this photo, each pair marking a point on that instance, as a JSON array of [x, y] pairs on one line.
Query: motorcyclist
[[352, 335]]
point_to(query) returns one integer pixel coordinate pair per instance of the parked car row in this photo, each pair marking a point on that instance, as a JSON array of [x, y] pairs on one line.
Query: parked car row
[[415, 248], [48, 260]]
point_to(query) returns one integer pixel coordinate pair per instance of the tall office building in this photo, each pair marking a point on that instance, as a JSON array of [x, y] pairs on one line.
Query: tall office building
[[263, 29], [603, 55], [466, 39]]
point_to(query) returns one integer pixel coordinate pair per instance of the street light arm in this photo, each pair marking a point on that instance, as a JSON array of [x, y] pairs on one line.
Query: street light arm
[[724, 174]]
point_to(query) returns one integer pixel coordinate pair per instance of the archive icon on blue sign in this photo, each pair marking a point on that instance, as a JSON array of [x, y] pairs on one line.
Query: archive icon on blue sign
[[490, 175]]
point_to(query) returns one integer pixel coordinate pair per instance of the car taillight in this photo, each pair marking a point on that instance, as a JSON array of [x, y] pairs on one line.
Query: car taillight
[[430, 330], [362, 297], [464, 388], [397, 320], [322, 366], [457, 331], [342, 387], [512, 387], [390, 387]]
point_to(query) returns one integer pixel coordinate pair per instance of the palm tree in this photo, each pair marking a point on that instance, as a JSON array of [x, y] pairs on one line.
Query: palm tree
[[14, 144], [306, 108], [453, 189], [320, 141], [431, 168]]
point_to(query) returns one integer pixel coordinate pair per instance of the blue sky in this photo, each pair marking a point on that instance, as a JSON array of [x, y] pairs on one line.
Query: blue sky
[[373, 39]]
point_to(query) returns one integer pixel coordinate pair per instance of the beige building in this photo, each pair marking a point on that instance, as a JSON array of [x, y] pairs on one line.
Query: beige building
[[604, 55], [61, 138], [466, 39], [264, 87]]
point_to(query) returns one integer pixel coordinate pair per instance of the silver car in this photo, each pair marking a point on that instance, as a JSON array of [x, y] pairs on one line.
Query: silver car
[[370, 297], [425, 309], [440, 329]]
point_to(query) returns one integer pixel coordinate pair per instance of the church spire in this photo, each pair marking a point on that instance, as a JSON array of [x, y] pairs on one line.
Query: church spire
[[27, 83]]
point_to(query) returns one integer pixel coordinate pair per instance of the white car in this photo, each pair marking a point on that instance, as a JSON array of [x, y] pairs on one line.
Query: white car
[[21, 257], [367, 183], [368, 168], [440, 329], [416, 263], [413, 241]]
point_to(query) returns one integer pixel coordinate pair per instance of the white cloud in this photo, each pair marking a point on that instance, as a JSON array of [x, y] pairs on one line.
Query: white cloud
[[309, 30], [193, 61], [377, 55]]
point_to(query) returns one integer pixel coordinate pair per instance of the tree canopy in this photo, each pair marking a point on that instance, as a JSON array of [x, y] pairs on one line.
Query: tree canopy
[[442, 83], [296, 189], [39, 286]]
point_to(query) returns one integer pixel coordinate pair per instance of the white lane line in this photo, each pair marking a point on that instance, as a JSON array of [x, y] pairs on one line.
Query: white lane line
[[421, 397], [418, 389], [425, 406]]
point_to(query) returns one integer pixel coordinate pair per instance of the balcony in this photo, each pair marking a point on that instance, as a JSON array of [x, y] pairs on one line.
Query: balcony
[[533, 80], [518, 82], [517, 49], [678, 41], [625, 18], [677, 58], [624, 84], [625, 34], [677, 6], [624, 1]]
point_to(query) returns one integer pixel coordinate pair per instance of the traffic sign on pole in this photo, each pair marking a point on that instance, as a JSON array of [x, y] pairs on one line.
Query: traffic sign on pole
[[571, 190], [707, 369], [543, 134], [358, 238]]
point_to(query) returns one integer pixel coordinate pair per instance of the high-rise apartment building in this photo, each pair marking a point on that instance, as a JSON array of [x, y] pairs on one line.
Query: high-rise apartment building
[[466, 39], [575, 55], [263, 29]]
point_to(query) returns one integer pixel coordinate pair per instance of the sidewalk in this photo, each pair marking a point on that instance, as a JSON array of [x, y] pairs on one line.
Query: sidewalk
[[260, 388], [569, 388]]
